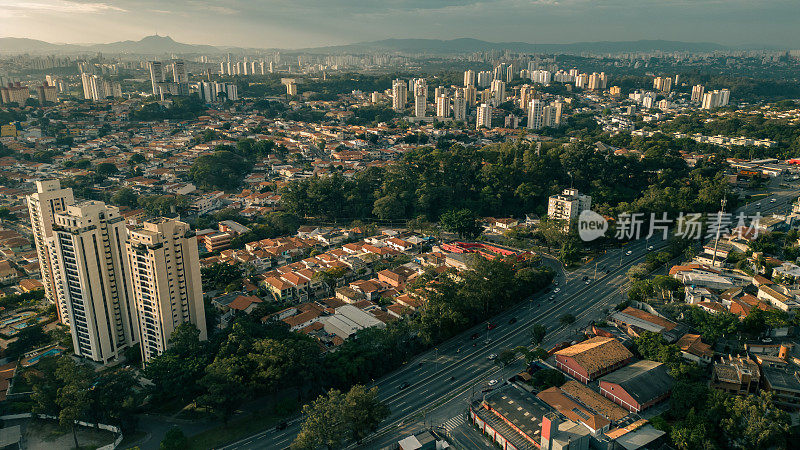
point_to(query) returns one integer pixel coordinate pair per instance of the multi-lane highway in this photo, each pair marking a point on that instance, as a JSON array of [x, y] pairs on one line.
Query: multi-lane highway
[[440, 382]]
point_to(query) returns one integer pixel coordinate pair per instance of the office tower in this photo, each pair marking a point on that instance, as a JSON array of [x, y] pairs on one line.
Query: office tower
[[498, 91], [663, 84], [469, 78], [510, 72], [697, 93], [420, 97], [440, 90], [399, 95], [263, 72], [460, 105], [165, 281], [15, 93], [484, 116], [535, 114], [291, 89], [156, 76], [47, 93], [442, 106], [94, 278], [86, 81], [470, 95], [526, 94], [231, 92], [43, 204]]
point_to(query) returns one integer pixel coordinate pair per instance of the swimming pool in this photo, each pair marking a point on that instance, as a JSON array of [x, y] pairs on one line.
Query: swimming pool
[[51, 352]]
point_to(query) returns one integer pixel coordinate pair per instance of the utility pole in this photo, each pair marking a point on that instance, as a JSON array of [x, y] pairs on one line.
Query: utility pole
[[719, 223]]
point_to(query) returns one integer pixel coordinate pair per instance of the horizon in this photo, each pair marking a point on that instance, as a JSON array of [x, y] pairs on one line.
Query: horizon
[[303, 24]]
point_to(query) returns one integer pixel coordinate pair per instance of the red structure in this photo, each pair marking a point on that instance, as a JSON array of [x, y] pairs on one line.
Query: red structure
[[488, 251], [593, 358]]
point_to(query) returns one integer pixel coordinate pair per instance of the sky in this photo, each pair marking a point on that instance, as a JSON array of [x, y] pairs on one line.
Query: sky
[[312, 23]]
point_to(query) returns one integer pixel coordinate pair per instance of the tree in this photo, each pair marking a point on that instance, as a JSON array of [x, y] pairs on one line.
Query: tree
[[324, 424], [220, 170], [125, 197], [566, 319], [462, 222], [754, 422], [506, 357], [537, 332], [176, 372], [174, 440], [225, 386], [105, 169], [73, 396], [28, 338], [362, 411]]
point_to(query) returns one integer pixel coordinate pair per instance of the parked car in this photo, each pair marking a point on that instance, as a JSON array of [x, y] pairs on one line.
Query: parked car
[[512, 321], [492, 382], [404, 385]]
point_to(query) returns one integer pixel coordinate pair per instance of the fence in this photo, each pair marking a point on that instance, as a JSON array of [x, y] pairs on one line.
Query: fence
[[114, 429]]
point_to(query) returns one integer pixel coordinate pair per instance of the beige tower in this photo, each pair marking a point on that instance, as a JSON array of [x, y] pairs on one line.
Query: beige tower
[[48, 200], [165, 274], [93, 275]]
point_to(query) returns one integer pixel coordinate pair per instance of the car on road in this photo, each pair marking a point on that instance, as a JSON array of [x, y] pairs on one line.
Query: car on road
[[492, 357], [557, 290], [649, 248], [404, 385], [492, 382], [585, 278], [281, 426], [772, 201], [758, 205], [629, 253], [588, 281], [552, 297], [512, 321], [491, 326], [475, 336]]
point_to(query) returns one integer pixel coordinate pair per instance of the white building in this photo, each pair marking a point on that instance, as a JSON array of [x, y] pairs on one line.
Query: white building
[[460, 106], [484, 116], [697, 93], [399, 95], [568, 205], [442, 106], [49, 199], [93, 273], [535, 114], [165, 280], [420, 97]]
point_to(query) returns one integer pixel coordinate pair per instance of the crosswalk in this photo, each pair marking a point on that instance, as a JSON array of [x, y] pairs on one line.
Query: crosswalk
[[454, 423]]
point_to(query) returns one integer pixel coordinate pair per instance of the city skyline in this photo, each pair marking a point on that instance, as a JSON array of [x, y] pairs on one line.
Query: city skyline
[[302, 24]]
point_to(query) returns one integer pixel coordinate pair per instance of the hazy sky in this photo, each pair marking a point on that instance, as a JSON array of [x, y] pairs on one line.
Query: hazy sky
[[304, 23]]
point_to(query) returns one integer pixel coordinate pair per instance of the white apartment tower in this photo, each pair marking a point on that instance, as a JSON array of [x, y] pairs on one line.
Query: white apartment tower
[[442, 106], [420, 97], [567, 205], [535, 114], [48, 200], [399, 95], [697, 93], [469, 78], [93, 273], [484, 116], [498, 91], [460, 106], [165, 281]]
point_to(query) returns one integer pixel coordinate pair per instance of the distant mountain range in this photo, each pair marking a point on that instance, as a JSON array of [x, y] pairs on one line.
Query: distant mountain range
[[159, 45]]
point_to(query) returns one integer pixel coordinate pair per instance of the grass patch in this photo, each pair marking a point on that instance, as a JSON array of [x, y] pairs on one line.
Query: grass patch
[[242, 427]]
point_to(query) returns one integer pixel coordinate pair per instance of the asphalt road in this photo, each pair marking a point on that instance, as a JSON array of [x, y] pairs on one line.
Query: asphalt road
[[443, 379]]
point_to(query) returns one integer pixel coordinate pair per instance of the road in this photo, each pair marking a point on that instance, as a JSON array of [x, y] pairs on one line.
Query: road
[[443, 379]]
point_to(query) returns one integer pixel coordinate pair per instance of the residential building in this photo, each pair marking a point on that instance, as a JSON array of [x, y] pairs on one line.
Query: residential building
[[484, 118], [460, 105], [399, 95], [94, 277], [420, 97], [697, 93], [165, 280], [49, 199], [442, 106], [736, 375], [156, 76], [568, 205]]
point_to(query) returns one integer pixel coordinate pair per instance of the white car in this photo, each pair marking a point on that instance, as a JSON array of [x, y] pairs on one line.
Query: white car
[[492, 382], [492, 357], [649, 248], [772, 201], [557, 290], [629, 253], [758, 205]]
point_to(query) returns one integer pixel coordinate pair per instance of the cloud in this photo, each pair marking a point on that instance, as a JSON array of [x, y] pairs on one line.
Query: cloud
[[59, 6]]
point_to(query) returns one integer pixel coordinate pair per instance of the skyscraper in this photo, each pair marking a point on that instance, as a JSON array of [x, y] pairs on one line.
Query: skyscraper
[[179, 76], [399, 95], [48, 200], [697, 93], [165, 280], [498, 91], [535, 114], [93, 274], [156, 75]]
